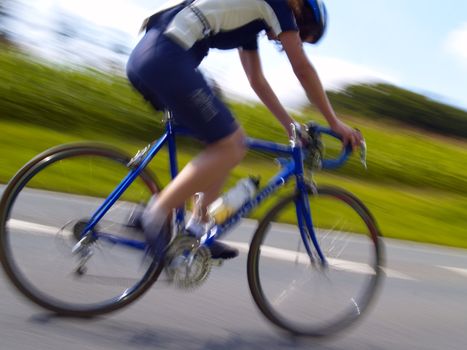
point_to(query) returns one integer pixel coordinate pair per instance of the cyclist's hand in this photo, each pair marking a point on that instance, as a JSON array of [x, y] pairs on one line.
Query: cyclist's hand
[[349, 135]]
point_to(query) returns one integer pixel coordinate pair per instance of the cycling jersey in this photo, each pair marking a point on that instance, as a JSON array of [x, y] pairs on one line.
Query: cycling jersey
[[227, 24]]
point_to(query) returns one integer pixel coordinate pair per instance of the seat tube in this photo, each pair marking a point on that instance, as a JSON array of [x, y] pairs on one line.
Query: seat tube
[[172, 145], [179, 212]]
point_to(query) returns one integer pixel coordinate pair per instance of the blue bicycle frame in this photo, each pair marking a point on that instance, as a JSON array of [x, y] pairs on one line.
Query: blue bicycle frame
[[291, 165]]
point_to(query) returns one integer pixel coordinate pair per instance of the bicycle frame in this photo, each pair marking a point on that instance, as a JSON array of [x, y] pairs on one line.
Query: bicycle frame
[[290, 166]]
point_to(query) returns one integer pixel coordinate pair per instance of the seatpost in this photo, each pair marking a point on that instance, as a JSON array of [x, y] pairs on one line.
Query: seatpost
[[168, 117]]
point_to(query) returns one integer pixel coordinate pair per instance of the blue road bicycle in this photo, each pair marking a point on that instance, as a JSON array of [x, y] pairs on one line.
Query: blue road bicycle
[[314, 263]]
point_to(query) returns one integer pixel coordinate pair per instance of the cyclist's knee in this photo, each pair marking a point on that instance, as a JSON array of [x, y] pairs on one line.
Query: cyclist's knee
[[233, 145]]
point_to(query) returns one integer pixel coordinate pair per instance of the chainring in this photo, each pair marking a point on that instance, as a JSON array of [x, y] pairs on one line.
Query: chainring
[[188, 263]]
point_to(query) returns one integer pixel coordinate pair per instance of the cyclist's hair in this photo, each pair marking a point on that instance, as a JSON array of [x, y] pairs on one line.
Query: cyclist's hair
[[296, 6], [304, 17]]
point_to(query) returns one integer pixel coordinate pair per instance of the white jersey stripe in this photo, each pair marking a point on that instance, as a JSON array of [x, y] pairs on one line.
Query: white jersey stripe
[[222, 15]]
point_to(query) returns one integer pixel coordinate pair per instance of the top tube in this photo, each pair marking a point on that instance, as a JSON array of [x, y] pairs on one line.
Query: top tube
[[277, 148]]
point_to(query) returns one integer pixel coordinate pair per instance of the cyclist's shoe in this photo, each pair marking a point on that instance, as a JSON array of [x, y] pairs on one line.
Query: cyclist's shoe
[[134, 220], [157, 232], [223, 251], [218, 249]]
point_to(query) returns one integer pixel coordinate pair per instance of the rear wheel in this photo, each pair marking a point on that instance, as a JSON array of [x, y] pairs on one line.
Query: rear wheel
[[42, 214], [301, 295]]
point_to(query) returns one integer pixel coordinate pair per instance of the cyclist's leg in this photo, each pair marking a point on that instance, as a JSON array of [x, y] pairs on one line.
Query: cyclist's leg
[[211, 166], [170, 73], [210, 195]]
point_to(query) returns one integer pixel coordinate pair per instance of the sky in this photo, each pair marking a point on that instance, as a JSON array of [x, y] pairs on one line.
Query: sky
[[416, 44]]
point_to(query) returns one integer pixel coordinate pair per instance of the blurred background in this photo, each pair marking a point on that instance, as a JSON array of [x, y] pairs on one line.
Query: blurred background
[[395, 69]]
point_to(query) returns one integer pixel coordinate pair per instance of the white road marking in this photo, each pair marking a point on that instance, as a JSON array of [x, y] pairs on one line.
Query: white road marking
[[32, 228], [302, 258], [456, 270], [270, 252]]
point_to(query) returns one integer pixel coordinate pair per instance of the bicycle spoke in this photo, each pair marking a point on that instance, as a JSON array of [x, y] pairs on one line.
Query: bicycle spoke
[[48, 212]]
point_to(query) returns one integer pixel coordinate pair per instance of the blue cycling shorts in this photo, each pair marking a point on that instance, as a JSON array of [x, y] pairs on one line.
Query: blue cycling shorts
[[168, 77]]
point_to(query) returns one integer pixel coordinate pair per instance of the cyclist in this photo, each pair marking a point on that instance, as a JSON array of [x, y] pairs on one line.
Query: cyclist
[[163, 68]]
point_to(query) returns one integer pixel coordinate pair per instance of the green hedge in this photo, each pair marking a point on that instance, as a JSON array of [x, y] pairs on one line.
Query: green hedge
[[90, 104], [390, 102]]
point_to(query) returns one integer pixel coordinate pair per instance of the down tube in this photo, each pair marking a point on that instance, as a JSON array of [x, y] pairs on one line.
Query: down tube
[[304, 212]]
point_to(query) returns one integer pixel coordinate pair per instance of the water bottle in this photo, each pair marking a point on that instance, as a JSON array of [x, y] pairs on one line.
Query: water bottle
[[231, 201]]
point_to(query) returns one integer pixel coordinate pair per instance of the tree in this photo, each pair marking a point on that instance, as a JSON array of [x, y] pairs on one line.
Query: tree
[[391, 102]]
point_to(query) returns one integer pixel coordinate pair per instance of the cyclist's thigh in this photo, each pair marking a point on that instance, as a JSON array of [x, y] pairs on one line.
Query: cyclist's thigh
[[169, 72]]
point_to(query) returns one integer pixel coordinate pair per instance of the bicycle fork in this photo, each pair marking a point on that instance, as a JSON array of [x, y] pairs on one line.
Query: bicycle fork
[[307, 231]]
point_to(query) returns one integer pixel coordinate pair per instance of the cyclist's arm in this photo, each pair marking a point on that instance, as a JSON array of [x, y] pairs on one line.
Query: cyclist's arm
[[252, 65], [311, 83]]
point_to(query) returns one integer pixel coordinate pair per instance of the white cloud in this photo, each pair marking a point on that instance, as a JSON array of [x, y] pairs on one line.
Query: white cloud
[[121, 14], [336, 72], [456, 42], [226, 69]]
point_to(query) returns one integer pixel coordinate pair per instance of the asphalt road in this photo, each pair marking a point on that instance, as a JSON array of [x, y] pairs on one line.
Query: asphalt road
[[422, 305]]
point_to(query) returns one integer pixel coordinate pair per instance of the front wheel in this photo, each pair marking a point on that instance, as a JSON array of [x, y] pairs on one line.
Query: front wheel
[[42, 215], [299, 293]]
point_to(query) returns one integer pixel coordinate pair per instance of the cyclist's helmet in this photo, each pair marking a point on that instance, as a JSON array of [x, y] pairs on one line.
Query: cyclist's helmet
[[318, 24]]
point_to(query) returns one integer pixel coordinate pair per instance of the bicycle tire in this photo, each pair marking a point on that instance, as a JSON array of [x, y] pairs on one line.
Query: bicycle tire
[[16, 188], [259, 286]]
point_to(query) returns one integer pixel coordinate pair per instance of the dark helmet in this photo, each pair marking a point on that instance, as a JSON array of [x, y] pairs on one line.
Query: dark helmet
[[320, 17]]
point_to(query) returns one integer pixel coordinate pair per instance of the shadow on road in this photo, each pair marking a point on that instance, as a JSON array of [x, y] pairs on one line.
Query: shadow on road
[[121, 335]]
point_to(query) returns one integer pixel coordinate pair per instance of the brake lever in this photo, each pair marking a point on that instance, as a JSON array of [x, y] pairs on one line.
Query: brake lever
[[363, 152]]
